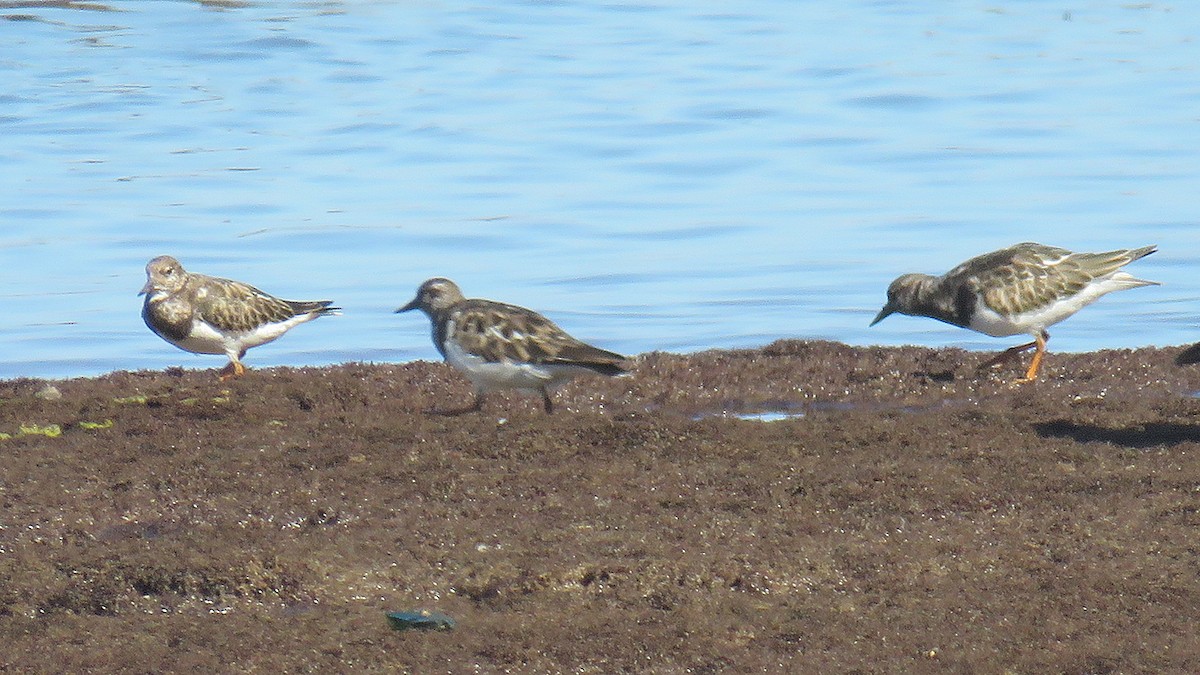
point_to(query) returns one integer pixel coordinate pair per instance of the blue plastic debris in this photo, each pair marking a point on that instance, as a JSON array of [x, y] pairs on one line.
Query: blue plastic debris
[[421, 619]]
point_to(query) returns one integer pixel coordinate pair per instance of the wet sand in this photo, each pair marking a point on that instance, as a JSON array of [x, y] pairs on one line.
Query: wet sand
[[911, 515]]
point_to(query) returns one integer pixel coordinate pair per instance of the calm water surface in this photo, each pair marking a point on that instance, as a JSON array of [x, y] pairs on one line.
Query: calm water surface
[[671, 175]]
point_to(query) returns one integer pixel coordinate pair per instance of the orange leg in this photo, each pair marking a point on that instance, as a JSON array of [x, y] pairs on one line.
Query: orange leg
[[1031, 374], [231, 370]]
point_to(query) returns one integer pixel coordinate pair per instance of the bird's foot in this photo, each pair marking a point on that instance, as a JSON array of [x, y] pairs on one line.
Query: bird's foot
[[231, 370]]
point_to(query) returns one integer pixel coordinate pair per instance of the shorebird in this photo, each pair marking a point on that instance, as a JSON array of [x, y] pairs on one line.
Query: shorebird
[[502, 346], [1020, 289], [209, 315]]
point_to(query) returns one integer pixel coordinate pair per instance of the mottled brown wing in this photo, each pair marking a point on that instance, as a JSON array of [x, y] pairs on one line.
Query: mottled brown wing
[[499, 332], [234, 306], [600, 360], [1035, 276]]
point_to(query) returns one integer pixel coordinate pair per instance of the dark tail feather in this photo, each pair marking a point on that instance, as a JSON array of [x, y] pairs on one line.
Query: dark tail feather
[[1189, 356], [598, 360], [1142, 252], [322, 307], [607, 368]]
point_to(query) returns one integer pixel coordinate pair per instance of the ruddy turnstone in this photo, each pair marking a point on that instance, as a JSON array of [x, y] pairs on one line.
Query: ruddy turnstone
[[501, 346], [1020, 289], [208, 315]]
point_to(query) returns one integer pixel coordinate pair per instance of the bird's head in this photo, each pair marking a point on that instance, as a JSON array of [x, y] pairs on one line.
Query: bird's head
[[164, 274], [435, 295]]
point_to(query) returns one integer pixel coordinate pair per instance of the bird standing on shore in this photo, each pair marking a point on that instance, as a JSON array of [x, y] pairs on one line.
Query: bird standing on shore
[[501, 346], [209, 315], [1020, 289]]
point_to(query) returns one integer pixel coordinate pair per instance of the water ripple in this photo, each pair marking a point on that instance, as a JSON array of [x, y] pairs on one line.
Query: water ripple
[[662, 176]]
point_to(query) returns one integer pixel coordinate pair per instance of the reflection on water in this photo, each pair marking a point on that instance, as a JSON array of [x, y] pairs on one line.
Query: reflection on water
[[759, 416], [657, 176]]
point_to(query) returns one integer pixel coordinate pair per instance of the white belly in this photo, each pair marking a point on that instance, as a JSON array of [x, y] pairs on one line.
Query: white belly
[[506, 374], [989, 322], [204, 339]]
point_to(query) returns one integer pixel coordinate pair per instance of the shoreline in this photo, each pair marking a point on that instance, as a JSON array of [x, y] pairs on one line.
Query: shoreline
[[791, 347], [913, 515], [207, 362]]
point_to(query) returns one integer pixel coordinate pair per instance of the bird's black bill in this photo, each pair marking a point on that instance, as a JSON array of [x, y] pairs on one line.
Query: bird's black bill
[[410, 306], [883, 314]]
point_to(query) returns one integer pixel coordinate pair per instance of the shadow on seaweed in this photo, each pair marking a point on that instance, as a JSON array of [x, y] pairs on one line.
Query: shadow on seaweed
[[1143, 436], [1189, 356]]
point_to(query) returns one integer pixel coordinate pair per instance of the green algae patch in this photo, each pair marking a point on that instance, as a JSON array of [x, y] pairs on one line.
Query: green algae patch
[[48, 430], [52, 430], [140, 399]]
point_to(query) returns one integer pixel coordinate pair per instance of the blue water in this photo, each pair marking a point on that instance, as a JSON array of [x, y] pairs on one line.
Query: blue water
[[674, 176]]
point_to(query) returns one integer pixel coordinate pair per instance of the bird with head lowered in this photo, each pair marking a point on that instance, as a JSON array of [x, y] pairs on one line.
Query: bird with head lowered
[[1022, 289]]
